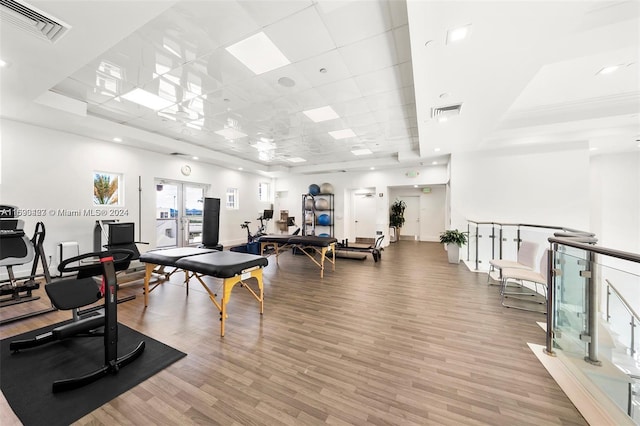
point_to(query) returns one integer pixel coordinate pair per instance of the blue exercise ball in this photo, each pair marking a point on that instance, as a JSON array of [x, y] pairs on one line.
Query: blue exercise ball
[[324, 234], [314, 189], [324, 220]]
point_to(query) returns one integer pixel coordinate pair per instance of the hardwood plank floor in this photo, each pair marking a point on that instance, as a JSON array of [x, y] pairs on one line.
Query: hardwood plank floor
[[411, 339]]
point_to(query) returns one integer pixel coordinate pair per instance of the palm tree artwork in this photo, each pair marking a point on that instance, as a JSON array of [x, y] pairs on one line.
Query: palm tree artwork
[[105, 189]]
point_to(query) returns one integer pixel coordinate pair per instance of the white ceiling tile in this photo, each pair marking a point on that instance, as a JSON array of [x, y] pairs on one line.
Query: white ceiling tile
[[312, 37], [339, 91], [352, 107], [224, 22], [356, 20], [384, 80], [370, 54], [267, 12], [333, 64]]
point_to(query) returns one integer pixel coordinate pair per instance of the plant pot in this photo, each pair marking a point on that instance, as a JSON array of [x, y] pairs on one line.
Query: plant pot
[[453, 252]]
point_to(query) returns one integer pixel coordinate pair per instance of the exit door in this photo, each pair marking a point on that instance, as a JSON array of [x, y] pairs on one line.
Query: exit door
[[411, 227], [365, 215], [179, 210]]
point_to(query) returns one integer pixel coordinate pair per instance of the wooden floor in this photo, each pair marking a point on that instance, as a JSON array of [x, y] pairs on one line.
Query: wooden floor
[[408, 340]]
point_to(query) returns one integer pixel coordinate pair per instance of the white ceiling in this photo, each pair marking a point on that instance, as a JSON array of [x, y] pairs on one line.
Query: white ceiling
[[525, 76]]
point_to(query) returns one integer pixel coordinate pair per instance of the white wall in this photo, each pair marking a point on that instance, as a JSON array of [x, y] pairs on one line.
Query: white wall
[[51, 170], [292, 187], [537, 188]]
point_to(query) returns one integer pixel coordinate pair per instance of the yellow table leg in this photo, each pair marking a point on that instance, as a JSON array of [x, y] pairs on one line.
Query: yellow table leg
[[149, 267]]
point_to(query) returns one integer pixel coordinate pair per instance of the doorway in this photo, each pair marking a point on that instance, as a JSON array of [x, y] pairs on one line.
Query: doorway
[[411, 228], [179, 208], [364, 214]]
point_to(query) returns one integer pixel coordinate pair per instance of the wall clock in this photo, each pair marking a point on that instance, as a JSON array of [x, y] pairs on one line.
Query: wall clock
[[186, 170]]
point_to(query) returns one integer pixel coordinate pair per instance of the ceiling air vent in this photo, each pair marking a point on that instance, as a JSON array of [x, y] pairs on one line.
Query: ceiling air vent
[[32, 20], [445, 111]]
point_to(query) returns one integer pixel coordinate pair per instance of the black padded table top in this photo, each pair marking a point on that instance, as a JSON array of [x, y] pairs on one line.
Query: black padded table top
[[221, 264], [280, 239], [169, 257], [312, 240]]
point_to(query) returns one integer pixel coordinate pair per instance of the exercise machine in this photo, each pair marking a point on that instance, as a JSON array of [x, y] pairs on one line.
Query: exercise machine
[[17, 249], [80, 291], [262, 229]]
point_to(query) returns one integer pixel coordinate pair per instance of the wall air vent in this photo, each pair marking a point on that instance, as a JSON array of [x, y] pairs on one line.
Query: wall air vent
[[32, 20], [446, 111]]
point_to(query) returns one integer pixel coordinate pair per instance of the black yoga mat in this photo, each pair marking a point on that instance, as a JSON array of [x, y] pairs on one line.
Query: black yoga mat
[[26, 376]]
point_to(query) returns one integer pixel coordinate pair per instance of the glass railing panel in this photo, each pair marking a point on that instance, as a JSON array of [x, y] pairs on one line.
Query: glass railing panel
[[509, 243], [570, 301], [485, 246], [537, 235], [472, 228]]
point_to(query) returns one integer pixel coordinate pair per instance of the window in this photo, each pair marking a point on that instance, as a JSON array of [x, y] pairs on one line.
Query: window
[[232, 199], [108, 189], [264, 191]]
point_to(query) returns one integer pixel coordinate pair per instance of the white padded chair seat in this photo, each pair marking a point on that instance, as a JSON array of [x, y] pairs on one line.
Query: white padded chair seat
[[510, 264], [524, 275]]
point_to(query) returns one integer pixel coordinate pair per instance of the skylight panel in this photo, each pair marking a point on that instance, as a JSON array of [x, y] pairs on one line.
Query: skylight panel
[[342, 134], [318, 115], [258, 53], [147, 99]]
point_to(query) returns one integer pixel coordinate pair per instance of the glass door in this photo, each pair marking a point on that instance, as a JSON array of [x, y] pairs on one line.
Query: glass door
[[179, 210]]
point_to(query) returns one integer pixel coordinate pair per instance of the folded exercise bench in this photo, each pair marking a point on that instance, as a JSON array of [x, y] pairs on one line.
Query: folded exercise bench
[[231, 267], [307, 244]]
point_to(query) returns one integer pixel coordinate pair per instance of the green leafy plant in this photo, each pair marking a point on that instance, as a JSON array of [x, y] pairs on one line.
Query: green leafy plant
[[396, 215], [453, 236]]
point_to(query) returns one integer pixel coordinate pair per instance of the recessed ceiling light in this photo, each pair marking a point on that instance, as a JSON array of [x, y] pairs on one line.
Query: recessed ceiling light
[[593, 148], [195, 158], [436, 149], [3, 63], [323, 70], [363, 151], [457, 34], [609, 69], [427, 43], [296, 160], [321, 114], [239, 168], [415, 186], [258, 53], [372, 168], [230, 133], [147, 99], [342, 134], [116, 139], [434, 163]]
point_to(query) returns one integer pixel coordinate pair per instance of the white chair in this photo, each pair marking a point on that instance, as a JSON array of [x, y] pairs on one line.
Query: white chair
[[524, 275], [526, 260]]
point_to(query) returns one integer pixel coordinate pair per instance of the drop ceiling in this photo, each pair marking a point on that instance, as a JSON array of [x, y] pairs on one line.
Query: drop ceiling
[[526, 75]]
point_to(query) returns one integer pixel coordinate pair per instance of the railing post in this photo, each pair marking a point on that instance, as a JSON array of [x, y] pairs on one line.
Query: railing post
[[469, 235], [477, 235], [551, 292], [500, 244], [592, 310], [608, 299], [633, 340]]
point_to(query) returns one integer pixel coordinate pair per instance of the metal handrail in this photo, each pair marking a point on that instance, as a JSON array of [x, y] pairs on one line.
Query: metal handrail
[[634, 316], [562, 228], [623, 300], [619, 254]]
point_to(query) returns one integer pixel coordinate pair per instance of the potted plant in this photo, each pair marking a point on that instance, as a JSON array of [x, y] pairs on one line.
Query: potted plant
[[396, 216], [453, 239]]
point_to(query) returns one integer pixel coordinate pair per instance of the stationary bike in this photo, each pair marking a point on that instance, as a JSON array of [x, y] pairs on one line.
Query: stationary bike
[[262, 229]]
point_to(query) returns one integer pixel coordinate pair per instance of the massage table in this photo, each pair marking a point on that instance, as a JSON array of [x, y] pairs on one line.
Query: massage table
[[305, 243], [231, 267]]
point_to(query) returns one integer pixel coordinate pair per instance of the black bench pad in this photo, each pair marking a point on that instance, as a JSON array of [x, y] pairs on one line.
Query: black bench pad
[[280, 239], [169, 257], [311, 240], [221, 264]]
